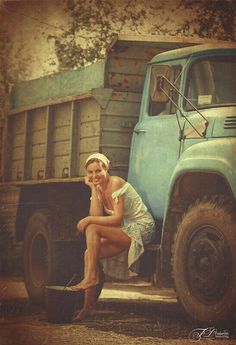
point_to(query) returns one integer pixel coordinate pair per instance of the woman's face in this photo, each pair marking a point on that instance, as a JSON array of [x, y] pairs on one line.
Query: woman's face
[[96, 173]]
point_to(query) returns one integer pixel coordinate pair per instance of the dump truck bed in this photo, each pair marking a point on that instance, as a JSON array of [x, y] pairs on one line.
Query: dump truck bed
[[55, 122]]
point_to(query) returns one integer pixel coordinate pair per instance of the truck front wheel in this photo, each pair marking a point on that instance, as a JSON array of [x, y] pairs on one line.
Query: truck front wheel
[[204, 261]]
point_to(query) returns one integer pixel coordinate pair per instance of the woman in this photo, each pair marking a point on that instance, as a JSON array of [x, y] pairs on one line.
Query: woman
[[116, 239]]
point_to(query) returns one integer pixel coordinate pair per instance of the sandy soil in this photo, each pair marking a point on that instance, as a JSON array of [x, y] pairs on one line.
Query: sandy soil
[[127, 314]]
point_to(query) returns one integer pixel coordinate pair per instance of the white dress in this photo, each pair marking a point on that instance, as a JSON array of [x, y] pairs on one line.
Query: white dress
[[139, 225]]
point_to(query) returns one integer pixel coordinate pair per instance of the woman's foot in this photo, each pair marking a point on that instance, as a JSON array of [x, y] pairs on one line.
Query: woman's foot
[[85, 284], [84, 313]]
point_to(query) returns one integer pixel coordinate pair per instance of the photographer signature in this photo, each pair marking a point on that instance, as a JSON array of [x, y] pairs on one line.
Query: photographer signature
[[208, 333]]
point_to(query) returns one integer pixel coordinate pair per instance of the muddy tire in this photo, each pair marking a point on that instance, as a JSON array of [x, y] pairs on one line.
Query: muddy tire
[[39, 261], [48, 261], [204, 261]]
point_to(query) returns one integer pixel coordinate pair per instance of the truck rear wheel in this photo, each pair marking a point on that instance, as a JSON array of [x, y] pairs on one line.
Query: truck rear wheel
[[204, 261], [50, 262], [38, 255]]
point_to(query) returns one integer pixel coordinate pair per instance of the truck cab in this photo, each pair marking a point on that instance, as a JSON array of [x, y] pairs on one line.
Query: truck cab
[[183, 164]]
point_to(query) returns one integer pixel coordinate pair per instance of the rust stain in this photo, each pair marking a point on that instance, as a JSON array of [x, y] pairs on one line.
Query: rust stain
[[149, 54]]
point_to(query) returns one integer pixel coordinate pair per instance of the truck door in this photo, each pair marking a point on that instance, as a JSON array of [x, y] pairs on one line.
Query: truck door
[[155, 143]]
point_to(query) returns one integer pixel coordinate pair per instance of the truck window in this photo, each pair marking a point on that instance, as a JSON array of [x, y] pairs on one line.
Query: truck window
[[211, 82], [159, 103]]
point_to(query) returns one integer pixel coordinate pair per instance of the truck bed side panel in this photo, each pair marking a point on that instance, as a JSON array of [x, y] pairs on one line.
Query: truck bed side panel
[[117, 122]]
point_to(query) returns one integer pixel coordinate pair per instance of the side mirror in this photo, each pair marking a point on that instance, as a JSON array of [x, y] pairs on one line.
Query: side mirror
[[158, 83]]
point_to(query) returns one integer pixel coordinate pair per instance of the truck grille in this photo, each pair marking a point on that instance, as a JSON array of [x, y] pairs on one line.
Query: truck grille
[[230, 122]]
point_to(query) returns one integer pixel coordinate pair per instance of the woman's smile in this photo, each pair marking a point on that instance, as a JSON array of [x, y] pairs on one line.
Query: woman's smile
[[96, 173]]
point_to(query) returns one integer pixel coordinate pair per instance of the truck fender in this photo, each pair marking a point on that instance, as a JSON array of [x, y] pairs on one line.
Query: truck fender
[[216, 157]]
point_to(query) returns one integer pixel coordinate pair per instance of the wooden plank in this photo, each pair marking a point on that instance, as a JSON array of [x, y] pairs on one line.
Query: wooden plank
[[50, 102], [130, 97], [131, 65], [27, 146], [17, 139], [62, 114], [90, 129], [143, 52], [38, 137], [89, 144], [38, 119], [89, 111], [159, 39], [61, 148], [38, 151], [61, 141], [122, 82], [61, 166], [17, 153], [17, 124], [118, 137], [17, 168], [38, 168], [74, 142], [45, 181], [119, 157], [119, 107], [48, 162], [118, 122], [61, 133], [37, 141]]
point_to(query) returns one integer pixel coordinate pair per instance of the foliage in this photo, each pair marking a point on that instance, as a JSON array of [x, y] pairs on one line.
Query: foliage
[[213, 18], [94, 23]]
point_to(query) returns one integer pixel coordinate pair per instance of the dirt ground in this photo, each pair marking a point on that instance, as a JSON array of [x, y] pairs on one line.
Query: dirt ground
[[127, 314]]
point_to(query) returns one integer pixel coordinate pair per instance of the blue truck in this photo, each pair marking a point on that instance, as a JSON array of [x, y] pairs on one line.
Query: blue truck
[[164, 112]]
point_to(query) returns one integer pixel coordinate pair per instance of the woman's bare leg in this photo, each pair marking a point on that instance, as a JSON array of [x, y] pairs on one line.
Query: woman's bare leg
[[89, 307], [118, 240], [89, 298], [107, 249]]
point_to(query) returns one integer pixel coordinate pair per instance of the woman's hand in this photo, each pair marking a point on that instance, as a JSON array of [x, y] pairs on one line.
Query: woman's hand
[[88, 182], [83, 223]]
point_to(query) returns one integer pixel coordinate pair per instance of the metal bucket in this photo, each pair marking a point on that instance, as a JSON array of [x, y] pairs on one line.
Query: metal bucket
[[61, 303]]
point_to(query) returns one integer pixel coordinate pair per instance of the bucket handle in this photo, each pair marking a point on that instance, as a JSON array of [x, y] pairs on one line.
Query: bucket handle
[[68, 283]]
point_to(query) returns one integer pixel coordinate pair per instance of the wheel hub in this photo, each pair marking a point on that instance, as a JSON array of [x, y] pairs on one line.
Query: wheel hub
[[207, 267]]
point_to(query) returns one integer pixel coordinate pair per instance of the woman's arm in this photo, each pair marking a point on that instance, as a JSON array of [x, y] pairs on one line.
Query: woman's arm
[[96, 206], [115, 219]]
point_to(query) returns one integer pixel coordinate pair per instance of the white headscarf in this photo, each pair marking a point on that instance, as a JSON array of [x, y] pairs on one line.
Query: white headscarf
[[100, 157]]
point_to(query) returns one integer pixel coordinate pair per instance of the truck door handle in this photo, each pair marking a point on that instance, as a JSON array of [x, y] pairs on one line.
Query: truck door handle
[[138, 130]]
